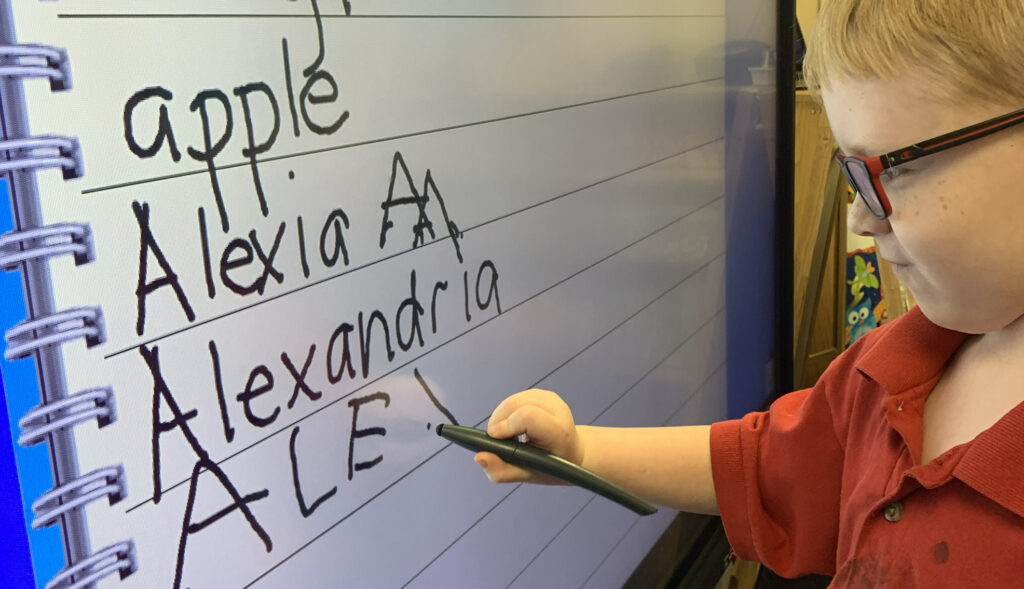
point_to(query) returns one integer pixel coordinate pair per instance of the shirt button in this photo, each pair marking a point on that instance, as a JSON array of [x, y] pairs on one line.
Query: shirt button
[[893, 511]]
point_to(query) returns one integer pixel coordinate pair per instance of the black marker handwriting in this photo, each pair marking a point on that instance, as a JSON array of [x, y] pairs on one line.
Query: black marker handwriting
[[412, 196], [303, 509], [147, 244], [162, 397]]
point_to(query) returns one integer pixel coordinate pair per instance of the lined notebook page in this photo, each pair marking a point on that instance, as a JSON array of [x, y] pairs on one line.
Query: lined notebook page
[[320, 235]]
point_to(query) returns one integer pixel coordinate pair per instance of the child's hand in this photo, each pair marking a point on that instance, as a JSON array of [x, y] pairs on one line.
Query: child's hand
[[539, 417]]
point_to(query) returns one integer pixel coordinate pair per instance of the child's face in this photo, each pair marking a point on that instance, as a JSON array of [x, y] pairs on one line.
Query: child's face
[[957, 224]]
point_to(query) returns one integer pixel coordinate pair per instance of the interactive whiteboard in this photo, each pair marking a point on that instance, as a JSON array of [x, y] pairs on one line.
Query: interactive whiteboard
[[319, 228]]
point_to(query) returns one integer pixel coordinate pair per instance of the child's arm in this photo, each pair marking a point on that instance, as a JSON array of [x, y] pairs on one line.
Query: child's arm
[[670, 466]]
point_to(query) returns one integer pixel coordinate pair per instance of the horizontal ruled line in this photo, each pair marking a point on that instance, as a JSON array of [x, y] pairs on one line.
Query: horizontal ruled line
[[636, 383], [246, 163], [626, 320], [538, 382], [445, 343], [637, 519], [697, 391], [351, 513], [267, 15], [466, 531], [565, 527], [370, 264]]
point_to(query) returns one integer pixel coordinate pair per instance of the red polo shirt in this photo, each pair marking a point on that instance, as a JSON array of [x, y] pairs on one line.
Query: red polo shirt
[[830, 479]]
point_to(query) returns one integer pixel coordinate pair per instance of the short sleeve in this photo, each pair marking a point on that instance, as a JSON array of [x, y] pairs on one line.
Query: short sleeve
[[778, 477]]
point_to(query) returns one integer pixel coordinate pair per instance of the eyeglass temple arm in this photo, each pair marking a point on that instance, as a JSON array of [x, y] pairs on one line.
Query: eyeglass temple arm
[[950, 140]]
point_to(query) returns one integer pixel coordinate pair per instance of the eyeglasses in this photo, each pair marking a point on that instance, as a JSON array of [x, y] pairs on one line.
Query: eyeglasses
[[864, 173]]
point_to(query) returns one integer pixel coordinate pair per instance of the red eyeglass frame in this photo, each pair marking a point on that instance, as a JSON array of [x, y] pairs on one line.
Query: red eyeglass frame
[[878, 164]]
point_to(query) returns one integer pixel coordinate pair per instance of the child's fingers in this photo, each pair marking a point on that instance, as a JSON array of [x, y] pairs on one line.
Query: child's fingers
[[499, 471], [538, 425], [535, 399]]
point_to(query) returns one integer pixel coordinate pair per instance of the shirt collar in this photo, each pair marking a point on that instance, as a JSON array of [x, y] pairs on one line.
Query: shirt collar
[[910, 355], [992, 463], [909, 358]]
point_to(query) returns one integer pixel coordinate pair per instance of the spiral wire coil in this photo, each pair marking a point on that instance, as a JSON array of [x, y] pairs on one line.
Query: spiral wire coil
[[38, 335]]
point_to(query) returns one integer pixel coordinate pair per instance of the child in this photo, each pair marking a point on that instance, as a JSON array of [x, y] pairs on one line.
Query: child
[[903, 466]]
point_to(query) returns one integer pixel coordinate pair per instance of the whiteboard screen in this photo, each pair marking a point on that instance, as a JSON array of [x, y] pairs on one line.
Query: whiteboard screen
[[323, 228]]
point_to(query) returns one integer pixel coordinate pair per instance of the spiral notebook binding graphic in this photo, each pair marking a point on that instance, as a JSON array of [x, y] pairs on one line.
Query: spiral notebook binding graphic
[[97, 403], [28, 247], [27, 60], [116, 558], [46, 242]]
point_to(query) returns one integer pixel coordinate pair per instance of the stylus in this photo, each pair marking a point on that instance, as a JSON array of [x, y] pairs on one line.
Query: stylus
[[538, 460]]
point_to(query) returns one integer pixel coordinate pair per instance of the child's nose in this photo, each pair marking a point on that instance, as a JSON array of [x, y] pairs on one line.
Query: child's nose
[[861, 221]]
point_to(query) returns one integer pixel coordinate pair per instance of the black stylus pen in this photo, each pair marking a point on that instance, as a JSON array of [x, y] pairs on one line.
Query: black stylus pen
[[538, 460]]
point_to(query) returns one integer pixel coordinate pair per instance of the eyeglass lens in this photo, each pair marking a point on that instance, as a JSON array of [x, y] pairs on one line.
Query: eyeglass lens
[[858, 175]]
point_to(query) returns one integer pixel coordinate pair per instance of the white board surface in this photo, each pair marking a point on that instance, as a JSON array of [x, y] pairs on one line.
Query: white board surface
[[571, 158]]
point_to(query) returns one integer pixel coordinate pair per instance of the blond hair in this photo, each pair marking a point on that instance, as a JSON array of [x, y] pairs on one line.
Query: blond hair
[[964, 49]]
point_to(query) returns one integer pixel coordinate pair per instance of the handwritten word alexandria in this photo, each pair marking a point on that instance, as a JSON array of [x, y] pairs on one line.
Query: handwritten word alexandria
[[356, 349], [264, 397]]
